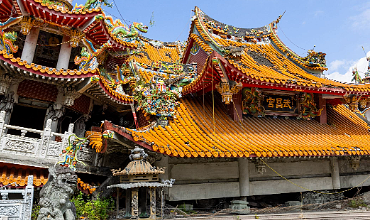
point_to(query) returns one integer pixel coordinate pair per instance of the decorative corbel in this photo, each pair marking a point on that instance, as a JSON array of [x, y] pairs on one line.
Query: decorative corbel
[[363, 102], [27, 23], [355, 162], [226, 87], [75, 36], [352, 101], [260, 166], [70, 95]]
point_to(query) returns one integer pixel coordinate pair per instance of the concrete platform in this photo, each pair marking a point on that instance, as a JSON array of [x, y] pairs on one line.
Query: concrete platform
[[337, 215]]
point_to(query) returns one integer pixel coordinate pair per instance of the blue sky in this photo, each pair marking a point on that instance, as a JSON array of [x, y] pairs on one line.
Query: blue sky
[[337, 27]]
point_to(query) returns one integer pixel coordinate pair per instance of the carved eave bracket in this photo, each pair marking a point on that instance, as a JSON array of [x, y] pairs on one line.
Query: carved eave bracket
[[70, 95], [228, 89], [352, 101], [75, 36], [28, 23]]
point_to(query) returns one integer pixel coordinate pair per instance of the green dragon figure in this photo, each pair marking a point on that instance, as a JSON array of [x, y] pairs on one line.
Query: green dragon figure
[[131, 33], [92, 4], [89, 56], [7, 40]]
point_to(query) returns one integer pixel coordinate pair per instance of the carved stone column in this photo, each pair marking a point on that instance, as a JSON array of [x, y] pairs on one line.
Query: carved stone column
[[56, 110], [9, 99], [153, 205], [5, 82], [135, 203], [80, 126], [30, 44], [64, 54]]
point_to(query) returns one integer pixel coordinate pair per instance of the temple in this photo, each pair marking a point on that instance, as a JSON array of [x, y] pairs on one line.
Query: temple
[[227, 113]]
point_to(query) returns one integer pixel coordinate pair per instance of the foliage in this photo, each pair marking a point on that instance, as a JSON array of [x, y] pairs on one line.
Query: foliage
[[97, 209], [356, 203], [35, 211]]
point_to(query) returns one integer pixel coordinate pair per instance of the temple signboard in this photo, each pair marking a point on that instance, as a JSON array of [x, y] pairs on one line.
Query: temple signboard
[[279, 104]]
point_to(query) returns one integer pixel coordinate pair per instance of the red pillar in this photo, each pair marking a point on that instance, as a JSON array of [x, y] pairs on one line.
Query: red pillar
[[321, 103], [235, 107]]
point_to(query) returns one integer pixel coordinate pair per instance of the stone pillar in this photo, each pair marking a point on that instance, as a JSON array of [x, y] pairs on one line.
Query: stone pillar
[[30, 45], [134, 204], [235, 107], [153, 204], [128, 199], [64, 54], [335, 172], [321, 103], [9, 99], [2, 122], [243, 177]]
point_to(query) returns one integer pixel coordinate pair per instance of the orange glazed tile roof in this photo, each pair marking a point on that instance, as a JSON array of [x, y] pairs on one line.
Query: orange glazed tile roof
[[165, 52], [10, 174], [45, 71], [192, 134], [268, 62]]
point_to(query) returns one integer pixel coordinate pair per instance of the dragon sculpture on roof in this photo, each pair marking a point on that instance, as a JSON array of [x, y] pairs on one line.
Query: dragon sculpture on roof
[[90, 56], [92, 4], [118, 29], [7, 40]]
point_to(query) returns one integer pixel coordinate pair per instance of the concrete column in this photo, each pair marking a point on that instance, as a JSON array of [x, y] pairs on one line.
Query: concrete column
[[243, 177], [335, 172], [166, 176], [64, 54], [30, 45], [321, 103], [235, 107]]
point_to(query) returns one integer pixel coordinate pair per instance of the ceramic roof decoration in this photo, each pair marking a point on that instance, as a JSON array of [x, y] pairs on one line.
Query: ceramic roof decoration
[[114, 64]]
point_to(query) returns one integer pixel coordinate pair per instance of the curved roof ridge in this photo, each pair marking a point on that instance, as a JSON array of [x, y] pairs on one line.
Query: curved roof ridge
[[230, 29]]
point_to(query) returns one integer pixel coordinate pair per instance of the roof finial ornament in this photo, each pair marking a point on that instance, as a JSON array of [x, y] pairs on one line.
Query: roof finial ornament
[[279, 18]]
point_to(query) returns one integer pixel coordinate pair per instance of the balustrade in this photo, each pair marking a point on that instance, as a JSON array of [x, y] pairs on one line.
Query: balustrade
[[43, 147]]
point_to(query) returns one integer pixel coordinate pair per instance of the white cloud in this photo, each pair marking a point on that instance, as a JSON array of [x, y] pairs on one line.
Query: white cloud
[[347, 77], [361, 65], [336, 64], [362, 20]]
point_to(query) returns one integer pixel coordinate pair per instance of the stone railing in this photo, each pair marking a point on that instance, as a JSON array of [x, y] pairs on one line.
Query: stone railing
[[17, 208], [43, 147], [42, 151]]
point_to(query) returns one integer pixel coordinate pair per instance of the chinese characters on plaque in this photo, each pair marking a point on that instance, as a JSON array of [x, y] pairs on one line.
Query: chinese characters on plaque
[[277, 103]]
